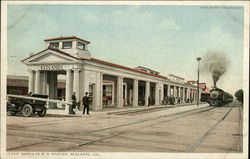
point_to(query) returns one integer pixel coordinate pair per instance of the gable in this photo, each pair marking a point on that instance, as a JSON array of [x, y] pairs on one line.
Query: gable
[[50, 56]]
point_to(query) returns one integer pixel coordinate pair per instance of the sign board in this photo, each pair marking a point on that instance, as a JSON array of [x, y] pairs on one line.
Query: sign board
[[52, 67]]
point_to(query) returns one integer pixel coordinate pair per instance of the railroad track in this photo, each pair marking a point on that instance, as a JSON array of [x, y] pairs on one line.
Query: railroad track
[[68, 137], [143, 111], [197, 143]]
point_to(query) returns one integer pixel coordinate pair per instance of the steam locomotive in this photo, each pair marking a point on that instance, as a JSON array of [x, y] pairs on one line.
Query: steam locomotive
[[218, 97]]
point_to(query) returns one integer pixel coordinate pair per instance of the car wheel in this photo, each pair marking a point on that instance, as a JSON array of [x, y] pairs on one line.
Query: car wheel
[[27, 110], [42, 113]]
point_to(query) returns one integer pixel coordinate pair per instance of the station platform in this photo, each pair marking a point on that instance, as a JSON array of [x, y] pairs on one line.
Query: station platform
[[114, 110]]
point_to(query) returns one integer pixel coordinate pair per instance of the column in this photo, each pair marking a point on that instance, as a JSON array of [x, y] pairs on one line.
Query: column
[[157, 99], [169, 91], [98, 92], [55, 84], [135, 92], [44, 84], [119, 92], [113, 95], [190, 93], [68, 85], [161, 91], [179, 91], [174, 91], [194, 95], [180, 96], [37, 82], [76, 84], [186, 94], [147, 91], [125, 93], [31, 81]]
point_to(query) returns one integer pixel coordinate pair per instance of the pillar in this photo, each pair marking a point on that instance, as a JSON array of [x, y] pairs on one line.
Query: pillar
[[169, 91], [186, 94], [113, 95], [135, 92], [161, 91], [31, 81], [37, 82], [179, 91], [157, 98], [180, 94], [174, 91], [190, 93], [119, 92], [76, 84], [44, 84], [125, 93], [98, 92], [147, 91], [68, 85]]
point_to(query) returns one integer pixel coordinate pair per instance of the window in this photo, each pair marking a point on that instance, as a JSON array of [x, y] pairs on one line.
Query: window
[[81, 46], [54, 45], [67, 45]]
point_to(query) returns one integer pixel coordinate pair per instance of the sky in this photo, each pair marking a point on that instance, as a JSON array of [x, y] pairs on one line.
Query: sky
[[164, 38]]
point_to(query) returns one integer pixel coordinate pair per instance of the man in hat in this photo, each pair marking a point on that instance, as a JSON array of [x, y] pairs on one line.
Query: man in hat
[[85, 102]]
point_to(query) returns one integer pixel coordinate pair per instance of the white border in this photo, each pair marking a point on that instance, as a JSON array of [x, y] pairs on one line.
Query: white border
[[132, 155]]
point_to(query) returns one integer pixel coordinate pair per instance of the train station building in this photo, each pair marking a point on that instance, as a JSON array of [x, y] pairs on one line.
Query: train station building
[[109, 84]]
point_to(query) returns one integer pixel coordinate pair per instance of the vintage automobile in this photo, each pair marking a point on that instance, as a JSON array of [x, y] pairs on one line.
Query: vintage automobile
[[27, 106]]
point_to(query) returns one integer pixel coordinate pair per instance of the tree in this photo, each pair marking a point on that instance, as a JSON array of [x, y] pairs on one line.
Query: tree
[[239, 95]]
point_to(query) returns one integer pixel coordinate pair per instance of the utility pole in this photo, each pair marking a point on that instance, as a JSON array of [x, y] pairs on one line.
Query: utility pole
[[198, 97]]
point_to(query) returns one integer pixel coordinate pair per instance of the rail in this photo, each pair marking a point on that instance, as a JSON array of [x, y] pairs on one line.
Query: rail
[[40, 99]]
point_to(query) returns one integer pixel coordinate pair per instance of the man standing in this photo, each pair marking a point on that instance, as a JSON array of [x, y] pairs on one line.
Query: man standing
[[85, 102], [73, 99]]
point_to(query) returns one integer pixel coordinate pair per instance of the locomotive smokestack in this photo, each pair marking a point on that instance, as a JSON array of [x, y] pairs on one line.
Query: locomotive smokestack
[[216, 63]]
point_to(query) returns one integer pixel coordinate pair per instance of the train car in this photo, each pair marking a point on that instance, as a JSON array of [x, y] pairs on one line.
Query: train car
[[218, 97]]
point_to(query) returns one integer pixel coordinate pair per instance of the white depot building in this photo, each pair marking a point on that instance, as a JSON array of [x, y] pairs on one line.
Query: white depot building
[[109, 84]]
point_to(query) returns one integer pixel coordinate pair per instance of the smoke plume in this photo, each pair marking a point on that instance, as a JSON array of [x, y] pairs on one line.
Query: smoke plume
[[217, 63]]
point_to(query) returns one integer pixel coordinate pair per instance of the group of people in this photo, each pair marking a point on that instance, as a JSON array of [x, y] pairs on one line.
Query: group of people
[[176, 100], [85, 101]]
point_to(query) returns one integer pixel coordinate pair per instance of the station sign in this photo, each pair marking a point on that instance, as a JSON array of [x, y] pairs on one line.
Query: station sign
[[52, 67]]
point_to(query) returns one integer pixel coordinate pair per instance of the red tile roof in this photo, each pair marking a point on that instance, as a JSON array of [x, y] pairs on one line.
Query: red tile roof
[[126, 68], [67, 38]]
